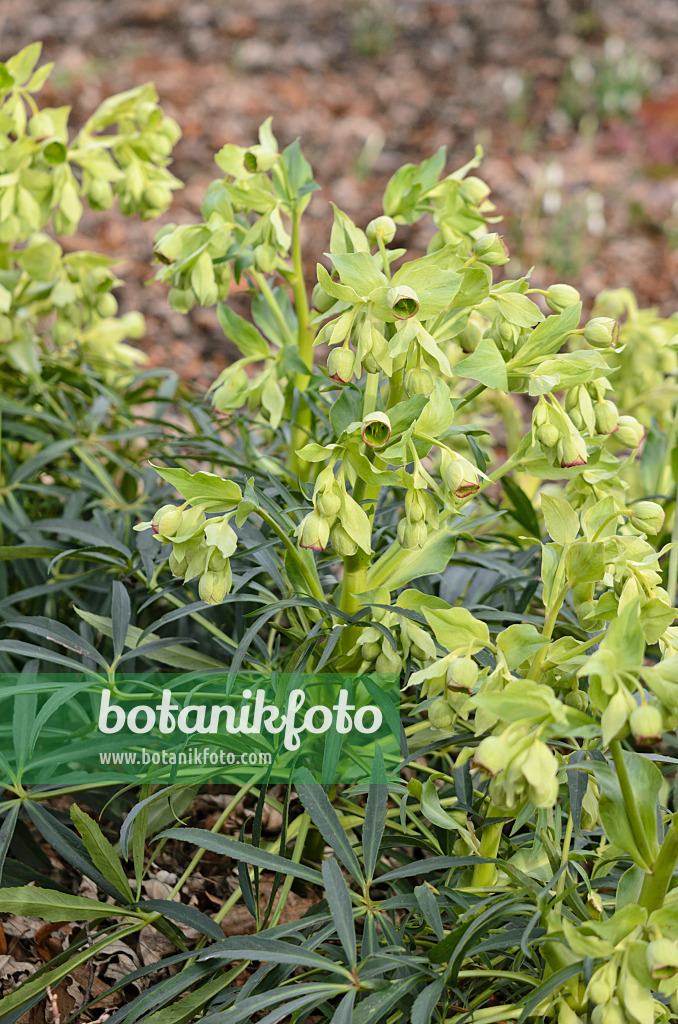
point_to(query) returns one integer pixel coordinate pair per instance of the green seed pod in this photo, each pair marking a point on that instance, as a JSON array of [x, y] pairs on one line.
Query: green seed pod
[[648, 516], [342, 543], [560, 296], [381, 228], [491, 250], [662, 959], [630, 432], [418, 382], [462, 674], [547, 435], [403, 302], [646, 724], [602, 332], [341, 365], [492, 755], [607, 417], [441, 716], [327, 503], [314, 532]]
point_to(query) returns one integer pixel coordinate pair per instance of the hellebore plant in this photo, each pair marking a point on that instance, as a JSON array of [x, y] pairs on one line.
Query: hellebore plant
[[538, 708], [390, 419]]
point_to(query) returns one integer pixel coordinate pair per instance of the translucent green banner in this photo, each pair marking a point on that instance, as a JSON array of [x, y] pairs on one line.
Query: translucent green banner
[[59, 730]]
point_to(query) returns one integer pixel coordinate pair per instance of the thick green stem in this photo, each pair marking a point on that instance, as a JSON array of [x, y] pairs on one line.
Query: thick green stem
[[314, 586], [630, 802], [656, 883], [486, 874], [549, 625], [672, 580], [302, 424]]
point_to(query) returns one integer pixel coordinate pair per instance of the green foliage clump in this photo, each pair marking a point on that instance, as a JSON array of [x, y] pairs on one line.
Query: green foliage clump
[[439, 473]]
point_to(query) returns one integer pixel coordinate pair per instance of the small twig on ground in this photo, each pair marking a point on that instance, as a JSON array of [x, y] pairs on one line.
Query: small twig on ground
[[55, 1006]]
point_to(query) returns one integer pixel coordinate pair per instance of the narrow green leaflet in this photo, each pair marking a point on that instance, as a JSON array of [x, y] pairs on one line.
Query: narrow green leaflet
[[52, 905], [101, 852]]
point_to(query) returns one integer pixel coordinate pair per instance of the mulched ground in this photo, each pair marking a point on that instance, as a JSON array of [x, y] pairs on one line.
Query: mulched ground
[[370, 84]]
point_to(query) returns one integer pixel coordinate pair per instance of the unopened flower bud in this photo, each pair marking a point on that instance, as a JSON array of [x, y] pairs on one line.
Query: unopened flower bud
[[452, 472], [403, 302], [648, 516], [320, 299], [547, 435], [440, 715], [491, 249], [418, 382], [412, 536], [265, 258], [462, 674], [341, 364], [560, 296], [371, 650], [213, 586], [603, 983], [607, 418], [388, 661], [662, 959], [327, 503], [492, 755], [342, 543], [630, 432], [571, 452], [376, 429], [167, 521], [381, 228], [646, 724], [468, 338], [577, 699], [314, 532], [474, 190], [177, 565], [566, 1015], [217, 562], [415, 507], [602, 332]]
